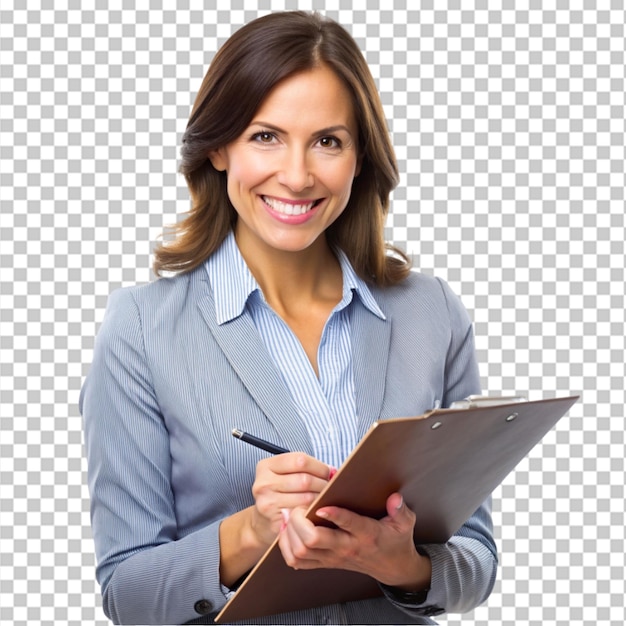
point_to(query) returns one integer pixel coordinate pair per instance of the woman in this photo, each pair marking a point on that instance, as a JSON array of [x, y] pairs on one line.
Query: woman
[[289, 318]]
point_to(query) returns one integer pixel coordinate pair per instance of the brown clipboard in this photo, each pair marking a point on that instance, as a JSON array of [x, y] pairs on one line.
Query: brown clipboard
[[445, 463]]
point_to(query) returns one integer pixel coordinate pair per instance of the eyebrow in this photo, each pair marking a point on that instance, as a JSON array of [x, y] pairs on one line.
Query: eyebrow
[[317, 133]]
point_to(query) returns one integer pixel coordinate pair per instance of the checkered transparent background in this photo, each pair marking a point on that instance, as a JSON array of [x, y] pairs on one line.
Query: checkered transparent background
[[508, 120]]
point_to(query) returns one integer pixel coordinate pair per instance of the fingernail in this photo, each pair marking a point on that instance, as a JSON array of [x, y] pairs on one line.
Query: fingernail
[[333, 471], [399, 506], [322, 513]]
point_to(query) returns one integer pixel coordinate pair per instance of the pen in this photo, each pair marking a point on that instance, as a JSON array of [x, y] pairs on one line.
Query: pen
[[258, 443]]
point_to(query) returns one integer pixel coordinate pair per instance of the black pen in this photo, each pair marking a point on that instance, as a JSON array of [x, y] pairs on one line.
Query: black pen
[[258, 443]]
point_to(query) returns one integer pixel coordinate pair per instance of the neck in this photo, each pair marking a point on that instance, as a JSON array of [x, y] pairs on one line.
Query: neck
[[289, 277]]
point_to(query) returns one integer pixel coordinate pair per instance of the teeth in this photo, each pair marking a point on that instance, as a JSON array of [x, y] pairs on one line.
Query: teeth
[[288, 209]]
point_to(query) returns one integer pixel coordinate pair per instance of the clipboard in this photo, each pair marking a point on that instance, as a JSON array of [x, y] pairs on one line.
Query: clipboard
[[445, 463]]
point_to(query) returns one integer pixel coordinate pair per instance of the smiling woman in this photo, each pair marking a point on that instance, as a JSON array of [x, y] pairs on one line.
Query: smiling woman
[[255, 61], [288, 185], [290, 318]]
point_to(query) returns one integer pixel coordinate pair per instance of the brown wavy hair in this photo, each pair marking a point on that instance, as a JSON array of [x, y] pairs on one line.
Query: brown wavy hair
[[244, 71]]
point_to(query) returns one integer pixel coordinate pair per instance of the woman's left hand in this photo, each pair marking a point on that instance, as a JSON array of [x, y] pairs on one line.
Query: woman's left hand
[[382, 549]]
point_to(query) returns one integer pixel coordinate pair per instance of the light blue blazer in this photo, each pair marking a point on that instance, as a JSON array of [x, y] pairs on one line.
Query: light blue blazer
[[167, 386]]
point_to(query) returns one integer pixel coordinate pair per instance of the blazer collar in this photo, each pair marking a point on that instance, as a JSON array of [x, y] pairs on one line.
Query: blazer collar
[[248, 356], [371, 336]]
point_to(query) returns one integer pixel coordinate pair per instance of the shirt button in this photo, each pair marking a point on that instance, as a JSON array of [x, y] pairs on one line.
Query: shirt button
[[203, 607]]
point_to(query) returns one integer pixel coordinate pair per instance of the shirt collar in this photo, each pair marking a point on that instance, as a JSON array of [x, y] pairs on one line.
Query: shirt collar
[[233, 283], [352, 283]]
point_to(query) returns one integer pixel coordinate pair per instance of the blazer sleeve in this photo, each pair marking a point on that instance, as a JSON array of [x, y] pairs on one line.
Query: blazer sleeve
[[464, 568], [147, 572]]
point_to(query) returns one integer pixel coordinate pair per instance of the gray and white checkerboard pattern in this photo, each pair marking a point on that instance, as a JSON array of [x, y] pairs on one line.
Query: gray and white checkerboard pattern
[[508, 120]]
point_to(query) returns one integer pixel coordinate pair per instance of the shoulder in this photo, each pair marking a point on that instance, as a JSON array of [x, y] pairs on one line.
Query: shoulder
[[419, 286], [422, 292], [148, 305], [163, 292]]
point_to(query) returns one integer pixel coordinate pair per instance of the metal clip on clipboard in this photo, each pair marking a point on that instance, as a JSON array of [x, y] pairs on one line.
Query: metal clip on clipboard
[[475, 401]]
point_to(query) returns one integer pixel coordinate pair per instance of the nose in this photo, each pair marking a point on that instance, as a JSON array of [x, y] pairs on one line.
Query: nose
[[295, 172]]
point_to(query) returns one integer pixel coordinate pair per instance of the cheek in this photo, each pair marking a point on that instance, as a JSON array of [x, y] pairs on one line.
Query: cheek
[[247, 172], [341, 177]]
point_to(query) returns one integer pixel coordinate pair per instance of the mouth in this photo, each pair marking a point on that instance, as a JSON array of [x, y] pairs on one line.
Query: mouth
[[292, 207]]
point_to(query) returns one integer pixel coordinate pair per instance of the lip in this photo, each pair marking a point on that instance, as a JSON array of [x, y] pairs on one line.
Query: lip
[[291, 219]]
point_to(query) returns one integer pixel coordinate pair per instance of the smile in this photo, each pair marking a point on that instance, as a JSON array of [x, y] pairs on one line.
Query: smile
[[290, 208]]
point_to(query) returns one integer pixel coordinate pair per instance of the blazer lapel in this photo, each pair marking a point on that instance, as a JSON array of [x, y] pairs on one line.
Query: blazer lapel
[[370, 349], [244, 349]]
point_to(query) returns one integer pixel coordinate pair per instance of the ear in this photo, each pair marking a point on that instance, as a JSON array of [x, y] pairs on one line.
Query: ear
[[218, 159]]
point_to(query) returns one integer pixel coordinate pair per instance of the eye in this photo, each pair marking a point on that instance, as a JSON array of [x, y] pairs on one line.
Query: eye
[[330, 142], [264, 136]]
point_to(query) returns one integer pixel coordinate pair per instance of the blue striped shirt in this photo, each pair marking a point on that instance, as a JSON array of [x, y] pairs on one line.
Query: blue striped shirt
[[326, 404]]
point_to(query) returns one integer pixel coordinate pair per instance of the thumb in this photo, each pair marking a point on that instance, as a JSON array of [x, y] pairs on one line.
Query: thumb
[[396, 507]]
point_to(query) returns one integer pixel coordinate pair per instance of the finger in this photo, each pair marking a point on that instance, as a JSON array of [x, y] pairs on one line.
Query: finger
[[302, 532], [305, 560], [394, 504], [284, 545], [270, 503], [399, 514], [297, 462], [296, 533], [293, 483], [291, 476], [267, 480], [344, 519]]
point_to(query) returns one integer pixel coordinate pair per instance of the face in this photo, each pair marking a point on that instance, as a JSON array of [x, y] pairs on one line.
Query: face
[[290, 173]]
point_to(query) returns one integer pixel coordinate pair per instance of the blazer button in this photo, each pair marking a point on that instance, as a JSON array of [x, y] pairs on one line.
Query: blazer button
[[433, 610], [203, 607]]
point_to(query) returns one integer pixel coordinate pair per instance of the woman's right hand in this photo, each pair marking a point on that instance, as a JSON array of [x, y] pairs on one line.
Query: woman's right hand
[[284, 481]]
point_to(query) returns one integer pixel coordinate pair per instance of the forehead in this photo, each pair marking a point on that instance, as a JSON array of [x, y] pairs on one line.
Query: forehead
[[315, 96]]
